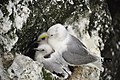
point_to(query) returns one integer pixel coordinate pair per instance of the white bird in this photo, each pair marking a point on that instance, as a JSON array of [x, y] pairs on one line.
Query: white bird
[[50, 59], [71, 50], [42, 51]]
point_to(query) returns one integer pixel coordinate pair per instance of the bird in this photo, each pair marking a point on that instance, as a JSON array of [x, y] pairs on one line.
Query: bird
[[71, 49], [50, 59], [42, 51], [43, 47]]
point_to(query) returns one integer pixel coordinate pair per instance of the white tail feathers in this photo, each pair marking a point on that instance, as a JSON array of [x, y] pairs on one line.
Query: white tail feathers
[[97, 64]]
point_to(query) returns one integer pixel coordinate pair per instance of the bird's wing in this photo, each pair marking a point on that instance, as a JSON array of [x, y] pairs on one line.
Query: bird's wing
[[54, 67], [76, 53], [51, 66]]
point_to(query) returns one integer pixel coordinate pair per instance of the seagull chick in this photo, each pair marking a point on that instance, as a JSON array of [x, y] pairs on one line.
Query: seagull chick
[[50, 59]]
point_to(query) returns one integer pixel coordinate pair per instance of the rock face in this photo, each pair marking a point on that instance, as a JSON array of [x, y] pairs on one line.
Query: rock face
[[21, 21], [3, 73], [24, 68]]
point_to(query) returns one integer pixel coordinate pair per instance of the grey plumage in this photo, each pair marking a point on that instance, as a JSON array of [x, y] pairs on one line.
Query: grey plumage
[[71, 49], [49, 58], [77, 53], [54, 66]]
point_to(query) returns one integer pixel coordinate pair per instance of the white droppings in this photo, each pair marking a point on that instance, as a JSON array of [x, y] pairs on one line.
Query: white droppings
[[81, 5], [59, 0], [6, 25], [71, 2], [25, 68], [1, 14], [18, 21], [20, 17], [109, 77], [106, 26], [117, 45], [113, 53], [17, 1], [98, 28], [9, 7]]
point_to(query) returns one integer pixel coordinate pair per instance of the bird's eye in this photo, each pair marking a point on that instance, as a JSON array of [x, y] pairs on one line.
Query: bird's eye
[[42, 50], [12, 71], [51, 35], [43, 38]]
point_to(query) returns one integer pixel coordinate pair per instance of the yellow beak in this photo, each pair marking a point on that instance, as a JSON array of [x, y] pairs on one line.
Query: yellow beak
[[43, 35]]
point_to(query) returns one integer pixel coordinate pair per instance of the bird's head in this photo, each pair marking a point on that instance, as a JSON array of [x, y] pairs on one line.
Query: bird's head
[[41, 50], [40, 53], [57, 31], [44, 48]]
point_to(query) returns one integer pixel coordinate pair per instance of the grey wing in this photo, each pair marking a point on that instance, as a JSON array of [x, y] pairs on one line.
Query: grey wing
[[76, 53], [51, 66], [54, 67]]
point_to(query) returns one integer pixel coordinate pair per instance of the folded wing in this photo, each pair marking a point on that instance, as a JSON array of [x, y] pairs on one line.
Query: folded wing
[[77, 53]]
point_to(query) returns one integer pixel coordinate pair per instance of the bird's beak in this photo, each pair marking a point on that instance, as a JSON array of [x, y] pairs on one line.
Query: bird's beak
[[42, 36], [36, 49]]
